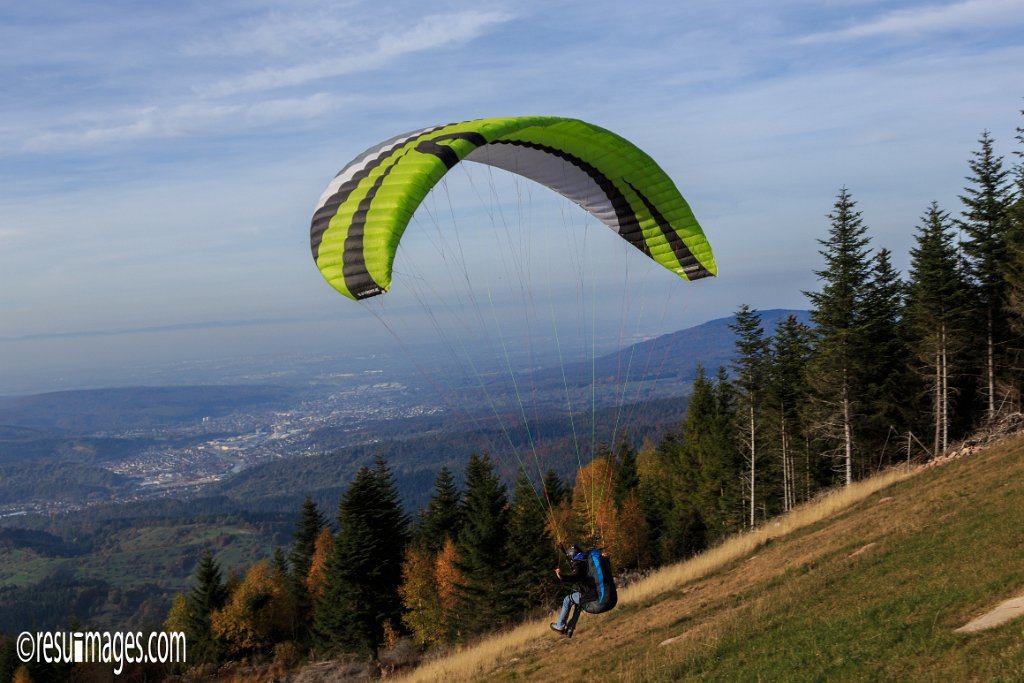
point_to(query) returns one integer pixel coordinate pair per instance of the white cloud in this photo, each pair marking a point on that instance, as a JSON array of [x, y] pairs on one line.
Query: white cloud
[[279, 35], [434, 31], [184, 119], [968, 14]]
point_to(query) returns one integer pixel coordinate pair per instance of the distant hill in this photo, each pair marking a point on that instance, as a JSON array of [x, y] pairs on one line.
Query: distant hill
[[661, 367], [43, 481], [93, 410], [678, 354]]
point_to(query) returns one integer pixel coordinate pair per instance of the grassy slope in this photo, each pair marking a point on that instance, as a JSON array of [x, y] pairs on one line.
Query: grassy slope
[[936, 549]]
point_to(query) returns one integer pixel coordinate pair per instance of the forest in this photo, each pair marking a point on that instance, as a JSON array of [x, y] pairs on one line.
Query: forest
[[892, 367]]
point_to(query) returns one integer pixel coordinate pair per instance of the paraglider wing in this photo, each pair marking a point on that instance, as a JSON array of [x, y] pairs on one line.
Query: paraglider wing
[[364, 211]]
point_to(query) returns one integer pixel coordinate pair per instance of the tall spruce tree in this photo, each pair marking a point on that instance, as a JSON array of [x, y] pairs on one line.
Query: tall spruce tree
[[706, 470], [1015, 266], [364, 568], [626, 478], [936, 310], [985, 221], [443, 517], [654, 493], [886, 382], [838, 314], [311, 521], [554, 488], [749, 369], [208, 595], [530, 548], [482, 562], [787, 396]]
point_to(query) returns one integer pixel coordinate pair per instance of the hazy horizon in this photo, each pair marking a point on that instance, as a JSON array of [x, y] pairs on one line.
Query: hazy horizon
[[160, 164]]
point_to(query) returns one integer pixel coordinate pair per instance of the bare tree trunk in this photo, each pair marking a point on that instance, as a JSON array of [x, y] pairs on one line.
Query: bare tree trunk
[[785, 466], [753, 459], [937, 398], [847, 430], [945, 392], [807, 468], [991, 369]]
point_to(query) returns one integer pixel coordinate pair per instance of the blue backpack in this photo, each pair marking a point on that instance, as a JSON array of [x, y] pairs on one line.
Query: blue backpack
[[599, 569]]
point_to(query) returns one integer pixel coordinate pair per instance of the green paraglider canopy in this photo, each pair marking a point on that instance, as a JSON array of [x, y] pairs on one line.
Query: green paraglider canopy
[[364, 211]]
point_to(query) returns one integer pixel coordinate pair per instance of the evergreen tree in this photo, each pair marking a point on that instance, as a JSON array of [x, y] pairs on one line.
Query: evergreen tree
[[482, 563], [749, 368], [787, 395], [207, 596], [886, 381], [936, 309], [1015, 265], [554, 488], [626, 478], [443, 518], [311, 522], [654, 496], [531, 549], [706, 470], [838, 314], [985, 221], [364, 568]]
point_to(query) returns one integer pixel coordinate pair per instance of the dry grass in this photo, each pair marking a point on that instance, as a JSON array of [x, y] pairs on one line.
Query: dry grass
[[740, 545], [474, 661]]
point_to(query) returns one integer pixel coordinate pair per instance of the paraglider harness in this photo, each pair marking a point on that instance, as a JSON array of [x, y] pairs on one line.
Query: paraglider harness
[[599, 572]]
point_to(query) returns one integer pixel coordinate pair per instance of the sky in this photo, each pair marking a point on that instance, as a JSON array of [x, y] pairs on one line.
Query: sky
[[159, 162]]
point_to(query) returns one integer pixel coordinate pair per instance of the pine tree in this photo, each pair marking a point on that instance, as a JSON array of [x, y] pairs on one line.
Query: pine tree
[[443, 517], [480, 548], [749, 369], [787, 395], [626, 479], [936, 309], [364, 569], [554, 488], [838, 314], [707, 499], [654, 497], [1015, 258], [531, 549], [985, 221], [311, 523], [887, 383], [207, 596]]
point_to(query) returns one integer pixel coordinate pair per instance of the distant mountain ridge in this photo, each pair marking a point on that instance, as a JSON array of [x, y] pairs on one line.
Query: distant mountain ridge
[[677, 354]]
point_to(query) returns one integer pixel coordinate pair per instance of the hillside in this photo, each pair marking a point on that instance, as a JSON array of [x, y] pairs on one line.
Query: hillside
[[660, 367], [93, 410], [867, 584]]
